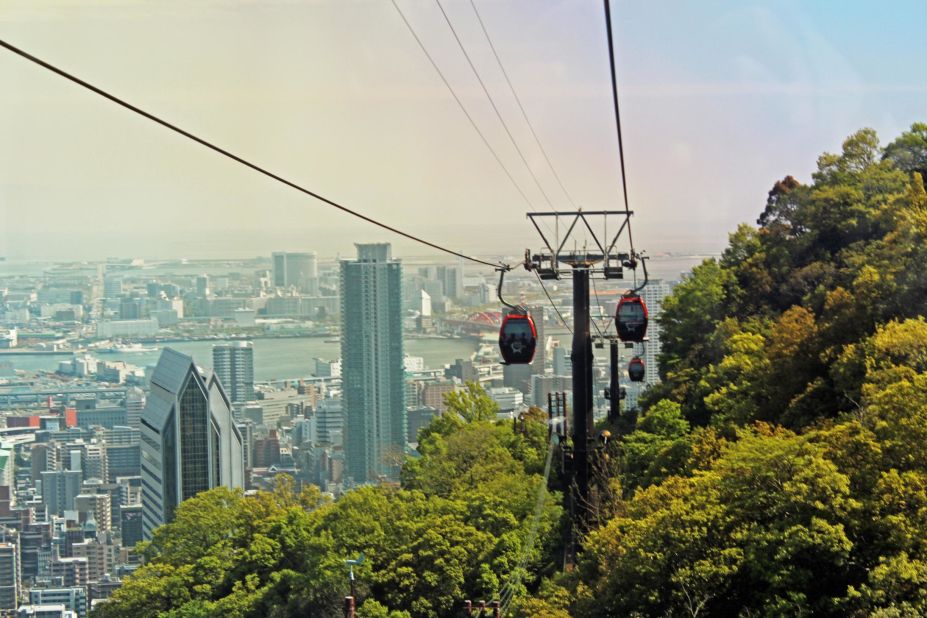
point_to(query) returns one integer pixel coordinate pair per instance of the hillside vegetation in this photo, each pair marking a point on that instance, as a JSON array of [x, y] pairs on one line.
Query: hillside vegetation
[[453, 530], [780, 469]]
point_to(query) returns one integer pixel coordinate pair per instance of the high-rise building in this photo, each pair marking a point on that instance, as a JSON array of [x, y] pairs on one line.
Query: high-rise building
[[299, 270], [7, 463], [44, 457], [135, 403], [267, 450], [10, 577], [202, 286], [234, 365], [99, 506], [560, 358], [112, 286], [372, 363], [189, 439], [72, 571], [330, 422], [653, 294], [453, 281], [246, 429], [59, 488]]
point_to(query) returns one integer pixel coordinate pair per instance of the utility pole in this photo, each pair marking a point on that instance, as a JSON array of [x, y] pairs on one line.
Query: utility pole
[[583, 264], [614, 387], [582, 392]]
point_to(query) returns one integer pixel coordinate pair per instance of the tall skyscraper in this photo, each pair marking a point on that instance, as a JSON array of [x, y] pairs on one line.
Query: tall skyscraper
[[189, 439], [300, 270], [452, 277], [372, 363], [653, 294], [234, 365]]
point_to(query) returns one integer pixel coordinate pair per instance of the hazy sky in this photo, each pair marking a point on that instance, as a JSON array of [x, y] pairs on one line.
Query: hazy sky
[[719, 99]]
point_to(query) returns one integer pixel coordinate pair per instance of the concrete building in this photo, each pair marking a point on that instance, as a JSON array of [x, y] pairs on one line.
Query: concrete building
[[509, 399], [202, 286], [135, 403], [560, 354], [330, 422], [189, 439], [70, 571], [10, 577], [372, 363], [59, 488], [453, 281], [433, 394], [542, 386], [126, 328], [327, 369], [112, 286], [45, 610], [73, 599], [234, 365], [299, 270], [97, 506], [101, 557]]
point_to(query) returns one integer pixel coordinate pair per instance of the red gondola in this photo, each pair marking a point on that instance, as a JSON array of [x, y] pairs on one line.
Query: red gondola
[[518, 338], [636, 369], [631, 318]]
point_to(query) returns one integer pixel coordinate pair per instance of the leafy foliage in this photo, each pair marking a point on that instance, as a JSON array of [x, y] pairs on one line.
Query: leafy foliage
[[781, 467], [454, 530]]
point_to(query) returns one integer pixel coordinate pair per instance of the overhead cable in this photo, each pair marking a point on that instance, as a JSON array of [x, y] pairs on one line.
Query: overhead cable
[[611, 63], [552, 304], [460, 104], [492, 103], [235, 157], [521, 107]]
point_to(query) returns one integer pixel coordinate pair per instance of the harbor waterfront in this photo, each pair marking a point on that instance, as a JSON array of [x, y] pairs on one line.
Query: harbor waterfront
[[274, 358]]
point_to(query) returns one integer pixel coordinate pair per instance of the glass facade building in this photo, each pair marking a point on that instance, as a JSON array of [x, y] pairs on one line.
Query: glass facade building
[[189, 442]]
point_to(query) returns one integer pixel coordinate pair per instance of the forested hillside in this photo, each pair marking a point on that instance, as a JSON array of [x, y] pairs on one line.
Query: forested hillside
[[781, 467], [779, 470]]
